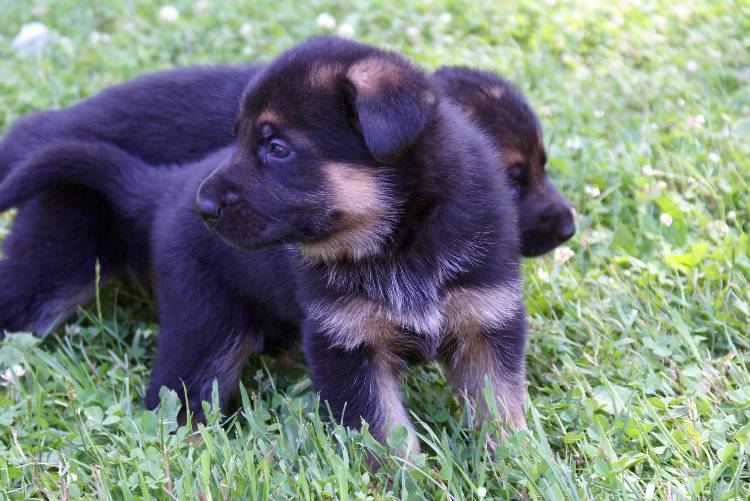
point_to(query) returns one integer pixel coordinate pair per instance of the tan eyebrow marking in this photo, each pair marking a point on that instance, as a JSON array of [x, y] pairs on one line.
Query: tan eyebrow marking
[[269, 116], [495, 91], [512, 156]]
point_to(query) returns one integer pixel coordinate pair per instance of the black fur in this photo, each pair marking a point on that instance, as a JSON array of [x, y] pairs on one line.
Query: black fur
[[58, 235], [163, 118], [286, 195]]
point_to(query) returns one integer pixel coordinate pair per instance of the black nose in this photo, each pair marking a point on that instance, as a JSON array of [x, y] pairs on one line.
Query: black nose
[[207, 208], [567, 228]]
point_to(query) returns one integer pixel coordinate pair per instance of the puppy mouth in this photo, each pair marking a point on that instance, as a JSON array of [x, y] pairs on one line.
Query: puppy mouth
[[244, 228], [537, 249], [537, 243]]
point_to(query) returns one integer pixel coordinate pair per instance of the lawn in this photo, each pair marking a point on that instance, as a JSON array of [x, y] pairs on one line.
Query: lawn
[[639, 342]]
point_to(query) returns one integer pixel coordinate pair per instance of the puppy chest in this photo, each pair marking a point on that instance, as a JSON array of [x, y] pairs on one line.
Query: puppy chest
[[357, 321]]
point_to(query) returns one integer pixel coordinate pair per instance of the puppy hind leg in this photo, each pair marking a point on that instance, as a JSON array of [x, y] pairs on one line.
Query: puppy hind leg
[[50, 259], [27, 308]]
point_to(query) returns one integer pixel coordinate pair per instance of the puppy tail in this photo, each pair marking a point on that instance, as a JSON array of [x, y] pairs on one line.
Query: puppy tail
[[126, 181]]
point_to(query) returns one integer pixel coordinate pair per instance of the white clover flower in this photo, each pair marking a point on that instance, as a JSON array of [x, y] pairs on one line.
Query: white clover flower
[[413, 33], [714, 158], [72, 330], [445, 18], [731, 216], [691, 66], [591, 191], [95, 37], [617, 21], [31, 39], [598, 113], [169, 14], [15, 372], [247, 50], [481, 492], [563, 254], [66, 43], [545, 111], [665, 219], [246, 29], [681, 103], [662, 185], [720, 226], [648, 170], [345, 30], [542, 274], [574, 143], [325, 21], [696, 121]]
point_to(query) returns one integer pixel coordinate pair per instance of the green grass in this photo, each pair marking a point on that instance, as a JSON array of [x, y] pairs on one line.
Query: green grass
[[639, 344]]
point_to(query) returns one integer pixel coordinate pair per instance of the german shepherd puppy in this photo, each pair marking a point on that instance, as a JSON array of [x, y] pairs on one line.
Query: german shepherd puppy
[[353, 187], [545, 217]]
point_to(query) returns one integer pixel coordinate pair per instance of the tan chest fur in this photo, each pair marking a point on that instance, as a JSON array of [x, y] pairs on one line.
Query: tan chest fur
[[358, 320]]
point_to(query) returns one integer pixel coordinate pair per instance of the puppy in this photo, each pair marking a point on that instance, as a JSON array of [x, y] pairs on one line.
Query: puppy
[[356, 207], [546, 219]]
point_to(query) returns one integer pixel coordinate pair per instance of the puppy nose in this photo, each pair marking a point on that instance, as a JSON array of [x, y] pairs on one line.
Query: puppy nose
[[568, 226], [207, 208]]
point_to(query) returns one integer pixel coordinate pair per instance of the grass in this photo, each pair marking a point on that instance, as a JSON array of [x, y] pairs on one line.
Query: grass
[[639, 344]]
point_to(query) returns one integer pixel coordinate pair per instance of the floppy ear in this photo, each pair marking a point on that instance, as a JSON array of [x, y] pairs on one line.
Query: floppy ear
[[393, 102]]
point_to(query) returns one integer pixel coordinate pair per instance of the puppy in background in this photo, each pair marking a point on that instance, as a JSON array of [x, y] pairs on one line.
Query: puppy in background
[[356, 206], [545, 217]]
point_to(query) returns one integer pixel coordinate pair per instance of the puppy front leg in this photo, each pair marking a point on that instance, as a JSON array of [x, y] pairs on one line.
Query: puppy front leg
[[205, 335], [358, 384], [473, 353]]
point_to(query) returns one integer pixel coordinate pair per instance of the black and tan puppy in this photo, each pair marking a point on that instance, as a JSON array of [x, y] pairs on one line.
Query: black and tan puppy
[[178, 116], [355, 189], [545, 217]]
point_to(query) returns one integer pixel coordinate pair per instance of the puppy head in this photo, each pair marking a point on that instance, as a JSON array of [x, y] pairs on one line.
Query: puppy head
[[317, 158], [545, 217]]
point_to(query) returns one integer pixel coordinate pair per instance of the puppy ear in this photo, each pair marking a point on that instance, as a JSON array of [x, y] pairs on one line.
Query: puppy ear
[[393, 103]]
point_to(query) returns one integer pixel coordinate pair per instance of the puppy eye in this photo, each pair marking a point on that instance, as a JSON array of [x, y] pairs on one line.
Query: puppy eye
[[278, 149]]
